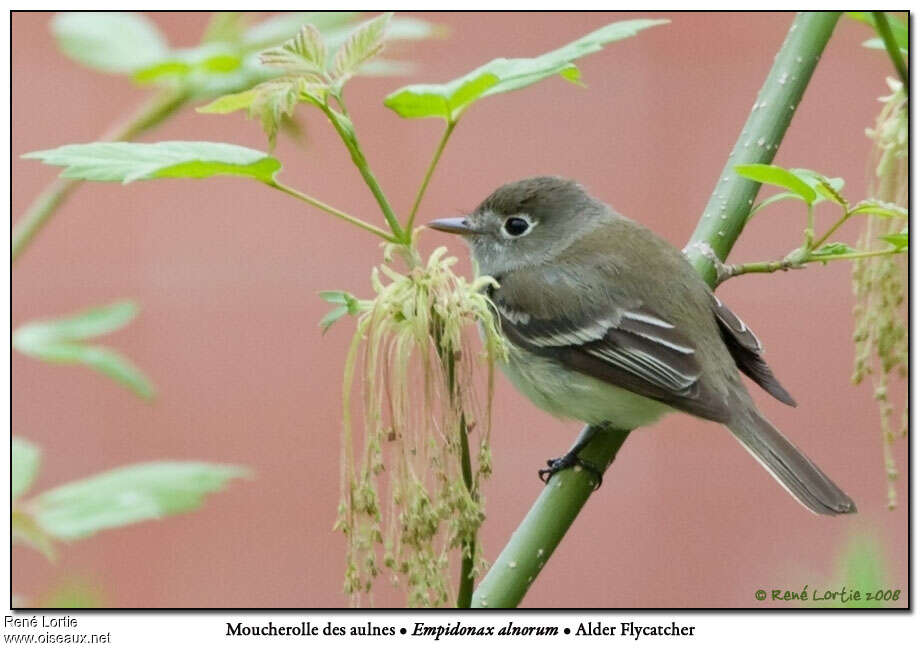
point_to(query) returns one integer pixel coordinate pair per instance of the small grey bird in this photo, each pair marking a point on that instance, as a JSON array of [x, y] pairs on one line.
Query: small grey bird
[[610, 325]]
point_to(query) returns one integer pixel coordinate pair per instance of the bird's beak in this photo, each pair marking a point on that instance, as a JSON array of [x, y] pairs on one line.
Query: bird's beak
[[455, 225]]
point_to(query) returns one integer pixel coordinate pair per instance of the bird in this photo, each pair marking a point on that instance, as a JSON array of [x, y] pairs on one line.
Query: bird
[[609, 324]]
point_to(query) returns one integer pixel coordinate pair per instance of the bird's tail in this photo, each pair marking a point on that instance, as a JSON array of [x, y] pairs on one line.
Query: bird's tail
[[793, 470]]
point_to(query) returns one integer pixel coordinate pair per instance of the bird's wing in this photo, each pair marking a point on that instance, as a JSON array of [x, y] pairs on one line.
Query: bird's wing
[[620, 341], [746, 350]]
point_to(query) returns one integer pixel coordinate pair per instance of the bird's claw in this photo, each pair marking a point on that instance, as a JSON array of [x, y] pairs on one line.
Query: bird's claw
[[569, 460]]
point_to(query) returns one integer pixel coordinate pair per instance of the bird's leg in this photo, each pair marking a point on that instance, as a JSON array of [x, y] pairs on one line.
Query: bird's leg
[[571, 458]]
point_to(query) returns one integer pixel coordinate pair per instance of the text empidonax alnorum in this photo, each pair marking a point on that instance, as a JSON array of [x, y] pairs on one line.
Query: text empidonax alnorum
[[610, 325]]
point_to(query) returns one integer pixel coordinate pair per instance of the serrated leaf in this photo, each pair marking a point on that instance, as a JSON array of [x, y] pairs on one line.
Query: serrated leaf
[[777, 176], [833, 249], [303, 54], [110, 41], [90, 323], [449, 100], [285, 25], [271, 101], [898, 240], [24, 529], [363, 44], [25, 460], [879, 208], [127, 495], [129, 161]]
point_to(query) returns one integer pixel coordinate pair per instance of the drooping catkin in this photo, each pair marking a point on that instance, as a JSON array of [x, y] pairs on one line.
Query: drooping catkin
[[405, 503], [880, 330]]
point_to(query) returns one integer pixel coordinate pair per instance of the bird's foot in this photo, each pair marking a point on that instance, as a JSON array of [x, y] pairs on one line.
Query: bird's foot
[[571, 459]]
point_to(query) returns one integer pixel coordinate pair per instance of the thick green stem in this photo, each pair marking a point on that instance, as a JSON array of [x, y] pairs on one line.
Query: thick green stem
[[329, 209], [43, 207], [726, 212], [892, 48], [428, 174], [724, 217]]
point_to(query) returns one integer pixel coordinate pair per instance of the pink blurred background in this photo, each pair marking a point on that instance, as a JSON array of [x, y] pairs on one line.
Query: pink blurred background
[[227, 274]]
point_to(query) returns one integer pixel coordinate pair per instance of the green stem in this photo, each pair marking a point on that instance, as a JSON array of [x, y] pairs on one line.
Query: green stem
[[560, 502], [468, 551], [892, 48], [157, 109], [721, 223], [428, 174], [346, 131], [541, 531], [310, 200], [787, 264], [833, 228]]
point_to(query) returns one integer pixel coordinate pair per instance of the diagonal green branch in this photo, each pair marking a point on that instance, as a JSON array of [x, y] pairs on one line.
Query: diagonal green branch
[[157, 109], [724, 217]]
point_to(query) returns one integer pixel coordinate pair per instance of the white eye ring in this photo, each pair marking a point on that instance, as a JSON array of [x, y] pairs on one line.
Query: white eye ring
[[511, 227]]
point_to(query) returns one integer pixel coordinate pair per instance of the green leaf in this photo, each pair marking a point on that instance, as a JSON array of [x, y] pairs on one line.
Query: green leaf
[[208, 59], [303, 54], [330, 318], [826, 188], [449, 100], [102, 359], [832, 250], [89, 323], [363, 44], [128, 495], [272, 102], [879, 208], [129, 161], [898, 240], [110, 41], [24, 462], [778, 176]]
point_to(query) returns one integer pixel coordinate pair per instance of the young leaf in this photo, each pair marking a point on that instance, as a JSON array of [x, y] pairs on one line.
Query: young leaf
[[778, 176], [272, 102], [826, 188], [305, 54], [879, 208], [129, 161], [110, 41], [207, 59], [364, 43], [898, 240], [449, 100], [128, 495], [24, 462]]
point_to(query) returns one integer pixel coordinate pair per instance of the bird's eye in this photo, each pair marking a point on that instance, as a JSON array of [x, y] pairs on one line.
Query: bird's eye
[[516, 226]]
